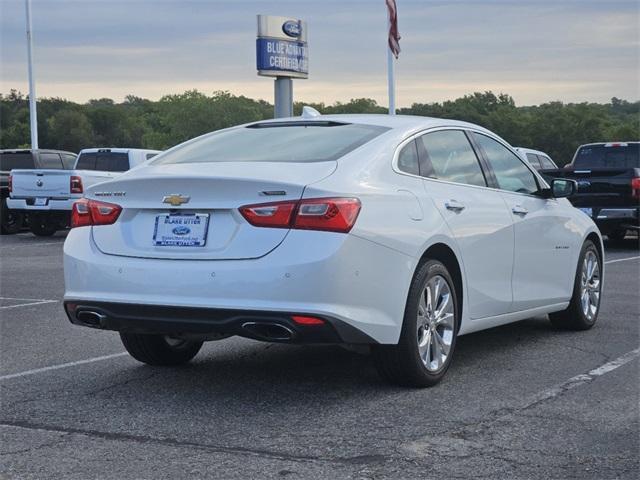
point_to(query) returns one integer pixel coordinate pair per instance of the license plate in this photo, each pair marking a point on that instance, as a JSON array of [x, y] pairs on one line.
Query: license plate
[[588, 211], [181, 230], [41, 202]]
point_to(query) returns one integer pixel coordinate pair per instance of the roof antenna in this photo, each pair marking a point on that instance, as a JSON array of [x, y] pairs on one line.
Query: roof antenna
[[309, 112]]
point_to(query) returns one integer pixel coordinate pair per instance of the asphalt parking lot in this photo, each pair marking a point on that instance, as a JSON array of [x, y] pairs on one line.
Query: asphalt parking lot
[[520, 401]]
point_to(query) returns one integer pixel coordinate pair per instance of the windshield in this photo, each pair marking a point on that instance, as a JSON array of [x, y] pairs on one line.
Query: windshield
[[275, 142], [615, 156], [103, 161]]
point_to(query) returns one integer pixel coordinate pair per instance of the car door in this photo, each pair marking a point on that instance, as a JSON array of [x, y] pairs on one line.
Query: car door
[[476, 216], [542, 274]]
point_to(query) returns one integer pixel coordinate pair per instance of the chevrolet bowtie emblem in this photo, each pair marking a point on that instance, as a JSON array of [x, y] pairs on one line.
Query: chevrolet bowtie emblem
[[176, 199]]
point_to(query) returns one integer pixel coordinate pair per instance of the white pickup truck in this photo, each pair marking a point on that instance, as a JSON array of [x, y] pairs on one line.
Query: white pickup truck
[[47, 196]]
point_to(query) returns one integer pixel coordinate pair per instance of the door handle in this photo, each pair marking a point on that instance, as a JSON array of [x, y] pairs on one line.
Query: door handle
[[454, 206], [519, 210]]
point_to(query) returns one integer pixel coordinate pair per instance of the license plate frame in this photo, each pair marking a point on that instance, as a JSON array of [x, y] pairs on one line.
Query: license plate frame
[[166, 224], [41, 201]]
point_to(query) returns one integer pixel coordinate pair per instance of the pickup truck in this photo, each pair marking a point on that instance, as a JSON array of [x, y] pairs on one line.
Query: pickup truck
[[47, 196], [11, 221], [608, 176]]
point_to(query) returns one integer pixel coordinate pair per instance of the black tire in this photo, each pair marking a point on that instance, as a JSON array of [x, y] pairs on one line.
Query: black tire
[[574, 316], [42, 226], [617, 235], [156, 349], [11, 221], [402, 364]]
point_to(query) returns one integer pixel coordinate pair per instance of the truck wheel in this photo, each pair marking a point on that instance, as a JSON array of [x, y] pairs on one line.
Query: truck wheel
[[428, 337], [159, 350], [617, 235], [11, 221], [42, 226], [583, 310]]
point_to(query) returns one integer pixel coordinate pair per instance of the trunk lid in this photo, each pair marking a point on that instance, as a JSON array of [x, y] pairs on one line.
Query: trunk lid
[[40, 183], [215, 190]]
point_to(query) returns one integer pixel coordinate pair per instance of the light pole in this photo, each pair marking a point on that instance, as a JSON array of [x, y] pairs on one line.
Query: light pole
[[33, 116]]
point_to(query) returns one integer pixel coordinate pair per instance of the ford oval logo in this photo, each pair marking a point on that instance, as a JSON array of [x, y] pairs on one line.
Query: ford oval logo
[[292, 28], [181, 230]]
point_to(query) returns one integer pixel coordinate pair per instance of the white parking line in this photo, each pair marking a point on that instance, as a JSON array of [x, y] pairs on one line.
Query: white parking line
[[13, 245], [63, 365], [584, 378], [622, 259], [42, 302], [28, 299]]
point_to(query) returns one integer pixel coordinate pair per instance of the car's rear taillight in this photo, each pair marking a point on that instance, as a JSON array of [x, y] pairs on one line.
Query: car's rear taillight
[[75, 184], [327, 214], [635, 187], [10, 184], [87, 212]]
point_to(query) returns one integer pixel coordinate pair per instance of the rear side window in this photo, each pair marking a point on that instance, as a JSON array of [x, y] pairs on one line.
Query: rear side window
[[68, 160], [103, 161], [613, 156], [9, 161], [50, 160], [533, 160], [408, 159], [449, 156], [275, 142], [546, 162], [510, 171]]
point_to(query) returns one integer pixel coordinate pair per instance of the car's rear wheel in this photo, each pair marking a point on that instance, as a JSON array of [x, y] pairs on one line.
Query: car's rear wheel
[[11, 221], [583, 310], [159, 350], [428, 338], [42, 225]]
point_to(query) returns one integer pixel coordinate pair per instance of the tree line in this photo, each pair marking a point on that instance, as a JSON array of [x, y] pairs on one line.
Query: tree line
[[554, 127]]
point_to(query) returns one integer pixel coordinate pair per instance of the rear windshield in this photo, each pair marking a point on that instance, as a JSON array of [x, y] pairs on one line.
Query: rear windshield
[[275, 142], [103, 161], [9, 161], [601, 156]]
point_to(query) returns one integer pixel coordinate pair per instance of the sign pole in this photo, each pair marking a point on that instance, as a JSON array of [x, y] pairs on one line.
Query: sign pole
[[283, 97], [33, 116]]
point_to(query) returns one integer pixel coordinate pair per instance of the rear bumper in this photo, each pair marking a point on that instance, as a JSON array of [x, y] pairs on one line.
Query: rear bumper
[[171, 320], [52, 204], [341, 278]]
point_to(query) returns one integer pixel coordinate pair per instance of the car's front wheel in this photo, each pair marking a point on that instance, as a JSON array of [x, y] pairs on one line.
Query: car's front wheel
[[159, 349], [584, 307], [428, 337]]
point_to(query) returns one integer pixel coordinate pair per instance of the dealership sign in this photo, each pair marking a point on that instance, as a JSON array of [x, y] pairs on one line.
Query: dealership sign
[[281, 47]]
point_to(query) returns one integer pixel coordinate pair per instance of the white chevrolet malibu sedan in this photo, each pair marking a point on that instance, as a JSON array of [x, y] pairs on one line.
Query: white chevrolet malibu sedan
[[397, 232]]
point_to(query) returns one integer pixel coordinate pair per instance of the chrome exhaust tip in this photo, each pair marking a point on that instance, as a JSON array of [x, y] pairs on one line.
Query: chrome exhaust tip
[[90, 318], [273, 332]]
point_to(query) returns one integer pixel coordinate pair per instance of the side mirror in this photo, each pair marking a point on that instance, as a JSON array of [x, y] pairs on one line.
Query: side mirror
[[562, 187]]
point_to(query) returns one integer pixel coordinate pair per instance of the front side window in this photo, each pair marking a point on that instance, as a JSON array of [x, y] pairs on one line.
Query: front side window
[[274, 142], [450, 157], [408, 159], [510, 171], [68, 160]]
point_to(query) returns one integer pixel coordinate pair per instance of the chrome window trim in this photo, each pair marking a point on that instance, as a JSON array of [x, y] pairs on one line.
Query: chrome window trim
[[415, 135]]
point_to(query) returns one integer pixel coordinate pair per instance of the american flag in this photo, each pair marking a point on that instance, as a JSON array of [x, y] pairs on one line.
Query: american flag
[[394, 35]]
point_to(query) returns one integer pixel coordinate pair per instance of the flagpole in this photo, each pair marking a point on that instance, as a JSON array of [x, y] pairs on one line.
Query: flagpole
[[391, 74], [33, 116]]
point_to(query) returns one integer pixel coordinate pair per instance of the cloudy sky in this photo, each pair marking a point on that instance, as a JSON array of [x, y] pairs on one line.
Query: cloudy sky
[[535, 50]]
